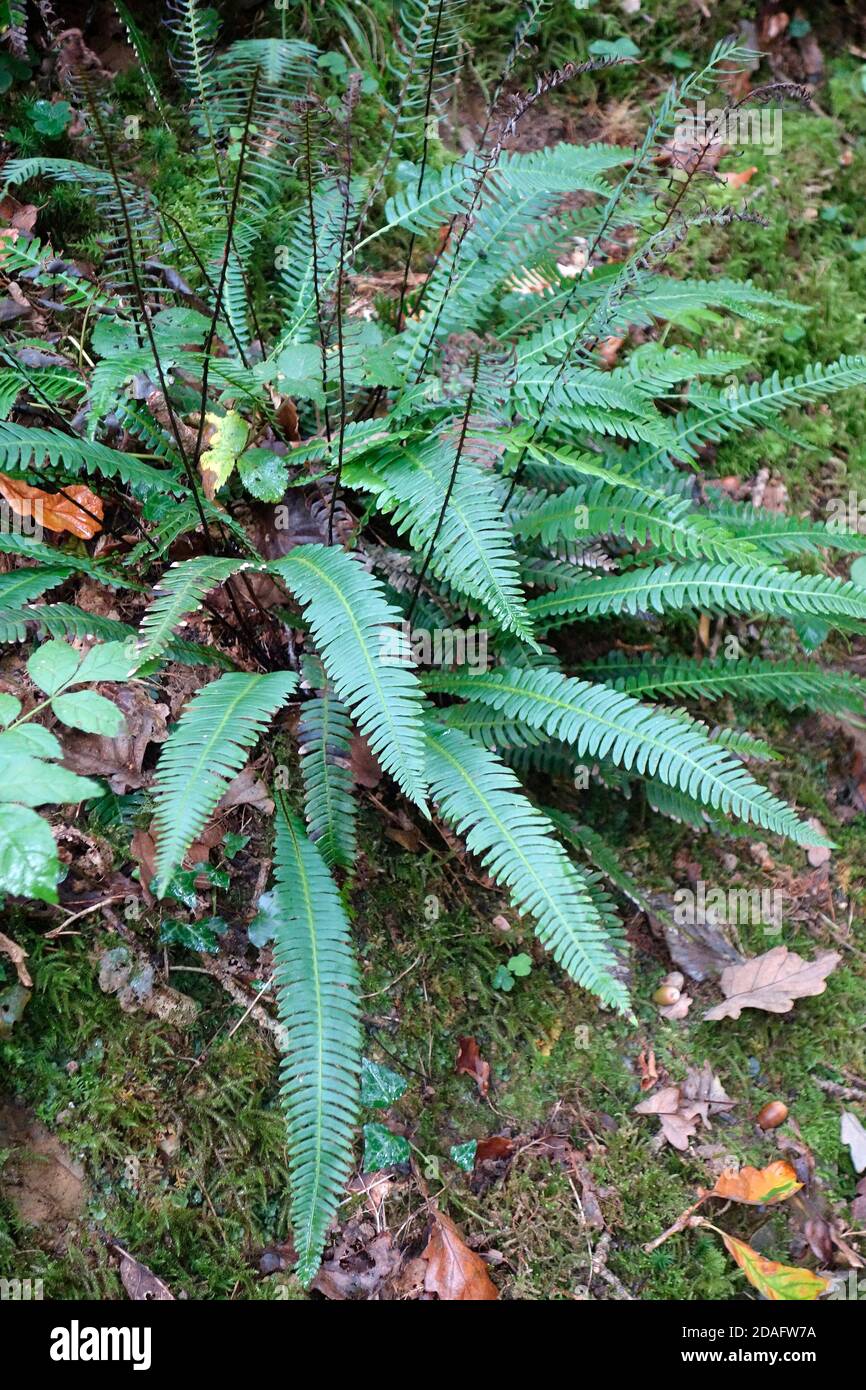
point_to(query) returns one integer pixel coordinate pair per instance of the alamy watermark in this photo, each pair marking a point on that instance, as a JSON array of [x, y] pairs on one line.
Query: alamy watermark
[[24, 520], [705, 905], [730, 125], [21, 1290], [442, 646]]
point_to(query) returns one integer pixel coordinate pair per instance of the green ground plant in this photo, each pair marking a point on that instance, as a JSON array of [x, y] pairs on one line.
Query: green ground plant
[[448, 469]]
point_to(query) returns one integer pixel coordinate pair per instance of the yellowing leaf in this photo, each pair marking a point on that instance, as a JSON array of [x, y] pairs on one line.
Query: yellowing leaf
[[781, 1283], [227, 443], [758, 1186]]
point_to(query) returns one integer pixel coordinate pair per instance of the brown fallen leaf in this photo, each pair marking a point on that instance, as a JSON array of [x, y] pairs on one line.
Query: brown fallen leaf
[[358, 1264], [120, 759], [758, 1186], [772, 982], [677, 1010], [471, 1063], [854, 1135], [454, 1272], [648, 1071], [247, 790], [140, 1283], [680, 1108], [858, 1206], [17, 955], [494, 1148], [54, 510]]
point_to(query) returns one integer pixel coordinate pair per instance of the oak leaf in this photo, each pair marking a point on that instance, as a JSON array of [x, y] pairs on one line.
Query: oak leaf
[[772, 982]]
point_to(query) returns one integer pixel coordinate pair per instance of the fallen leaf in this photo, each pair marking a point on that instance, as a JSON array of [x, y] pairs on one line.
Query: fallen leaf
[[858, 1206], [775, 1281], [648, 1071], [818, 854], [854, 1135], [772, 982], [41, 1180], [54, 510], [247, 790], [494, 1148], [680, 1108], [677, 1010], [358, 1264], [454, 1272], [471, 1063], [676, 1128], [736, 178], [700, 949], [758, 1186], [120, 759], [140, 1283], [17, 955]]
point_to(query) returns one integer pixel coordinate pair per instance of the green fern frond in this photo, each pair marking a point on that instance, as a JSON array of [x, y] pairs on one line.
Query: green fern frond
[[24, 450], [600, 722], [708, 588], [785, 535], [180, 591], [317, 986], [792, 684], [482, 800], [352, 625], [205, 750], [638, 517], [324, 745]]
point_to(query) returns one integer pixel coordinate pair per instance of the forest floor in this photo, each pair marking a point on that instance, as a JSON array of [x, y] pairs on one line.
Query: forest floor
[[162, 1136]]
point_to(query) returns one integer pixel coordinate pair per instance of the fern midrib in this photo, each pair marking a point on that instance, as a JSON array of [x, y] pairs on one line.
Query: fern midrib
[[321, 574], [575, 708], [509, 838], [319, 1085], [552, 600]]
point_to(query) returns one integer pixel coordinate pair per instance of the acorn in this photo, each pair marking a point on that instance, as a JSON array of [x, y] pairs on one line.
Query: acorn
[[675, 978], [774, 1113], [666, 995]]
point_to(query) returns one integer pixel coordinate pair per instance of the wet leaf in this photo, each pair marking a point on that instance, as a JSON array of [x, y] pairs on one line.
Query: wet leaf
[[779, 1283], [90, 712], [193, 936], [382, 1149], [464, 1154], [53, 510], [454, 1272], [380, 1086], [227, 443], [29, 867]]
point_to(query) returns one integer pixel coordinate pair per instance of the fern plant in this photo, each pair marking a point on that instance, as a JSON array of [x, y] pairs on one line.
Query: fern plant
[[448, 459]]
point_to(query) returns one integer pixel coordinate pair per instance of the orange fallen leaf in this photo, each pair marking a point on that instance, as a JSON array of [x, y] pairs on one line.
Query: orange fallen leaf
[[54, 510], [736, 178], [496, 1147], [455, 1272], [780, 1283], [471, 1063], [758, 1186]]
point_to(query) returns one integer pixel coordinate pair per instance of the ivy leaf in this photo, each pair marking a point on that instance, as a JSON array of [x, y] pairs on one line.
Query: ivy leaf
[[233, 844], [29, 867], [263, 927], [779, 1283], [382, 1149], [193, 936], [380, 1086], [90, 712], [228, 442], [464, 1154], [264, 474]]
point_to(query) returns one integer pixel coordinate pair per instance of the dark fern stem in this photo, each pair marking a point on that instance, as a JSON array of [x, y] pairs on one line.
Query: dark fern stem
[[351, 101], [425, 152], [546, 83], [458, 454], [307, 174]]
